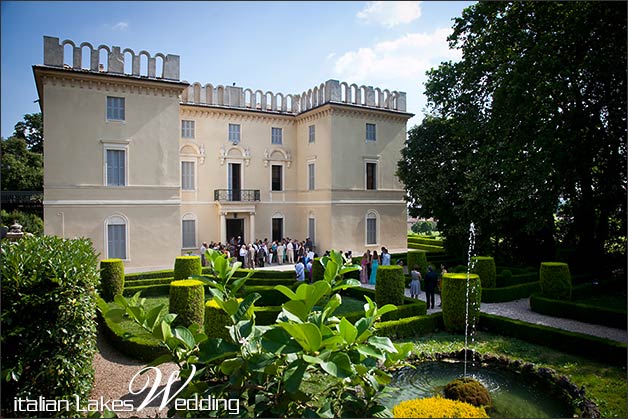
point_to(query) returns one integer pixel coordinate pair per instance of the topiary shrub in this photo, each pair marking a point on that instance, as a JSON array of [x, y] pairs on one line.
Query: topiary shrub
[[484, 266], [417, 257], [216, 321], [187, 301], [506, 278], [468, 390], [187, 266], [318, 270], [437, 407], [111, 278], [555, 280], [454, 293], [389, 286]]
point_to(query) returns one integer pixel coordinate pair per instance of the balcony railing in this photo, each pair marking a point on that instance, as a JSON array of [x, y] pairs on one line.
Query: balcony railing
[[33, 198], [236, 195]]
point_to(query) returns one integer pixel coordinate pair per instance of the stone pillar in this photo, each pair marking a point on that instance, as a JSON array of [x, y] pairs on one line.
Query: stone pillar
[[223, 227], [252, 219], [116, 61], [53, 52], [332, 91], [370, 96], [171, 67], [401, 101]]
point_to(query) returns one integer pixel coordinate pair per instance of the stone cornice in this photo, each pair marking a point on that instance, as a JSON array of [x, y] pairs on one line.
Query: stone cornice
[[240, 114]]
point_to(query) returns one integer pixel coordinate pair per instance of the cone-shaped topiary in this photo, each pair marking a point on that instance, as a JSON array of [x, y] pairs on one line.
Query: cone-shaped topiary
[[454, 293], [111, 278], [485, 267], [187, 301], [417, 257], [216, 321], [187, 266], [437, 407], [389, 285], [468, 390], [555, 280]]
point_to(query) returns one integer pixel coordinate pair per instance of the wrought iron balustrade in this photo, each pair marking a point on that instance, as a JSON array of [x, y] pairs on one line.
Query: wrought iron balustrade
[[237, 195], [22, 197]]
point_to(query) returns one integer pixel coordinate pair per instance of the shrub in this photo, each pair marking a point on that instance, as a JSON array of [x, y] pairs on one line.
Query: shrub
[[410, 326], [266, 315], [111, 278], [514, 292], [484, 266], [417, 257], [31, 223], [166, 273], [318, 270], [147, 290], [186, 266], [216, 320], [577, 311], [427, 247], [454, 294], [389, 286], [187, 301], [48, 320], [468, 390], [555, 280], [437, 407]]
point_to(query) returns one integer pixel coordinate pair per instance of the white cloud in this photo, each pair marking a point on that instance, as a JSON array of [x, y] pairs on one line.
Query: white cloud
[[120, 26], [390, 13]]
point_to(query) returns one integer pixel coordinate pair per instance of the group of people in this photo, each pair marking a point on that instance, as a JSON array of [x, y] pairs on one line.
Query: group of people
[[433, 281], [370, 262]]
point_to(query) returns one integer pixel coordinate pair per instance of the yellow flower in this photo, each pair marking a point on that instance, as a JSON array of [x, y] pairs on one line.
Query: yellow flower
[[437, 407]]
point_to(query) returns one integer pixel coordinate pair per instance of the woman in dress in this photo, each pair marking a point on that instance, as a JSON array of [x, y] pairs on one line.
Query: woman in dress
[[374, 265], [415, 284], [364, 272]]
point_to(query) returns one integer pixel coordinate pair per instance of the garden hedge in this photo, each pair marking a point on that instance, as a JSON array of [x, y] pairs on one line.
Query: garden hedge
[[454, 294], [269, 296], [111, 278], [147, 290], [266, 315], [555, 280], [318, 270], [187, 266], [484, 266], [166, 273], [216, 321], [409, 307], [603, 350], [427, 247], [577, 311], [49, 310], [389, 286], [514, 292], [508, 278], [426, 240], [187, 301], [417, 257], [410, 326], [262, 274], [145, 282]]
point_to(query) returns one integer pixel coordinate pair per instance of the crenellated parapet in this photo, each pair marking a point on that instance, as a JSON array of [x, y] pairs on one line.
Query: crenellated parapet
[[103, 59], [332, 91]]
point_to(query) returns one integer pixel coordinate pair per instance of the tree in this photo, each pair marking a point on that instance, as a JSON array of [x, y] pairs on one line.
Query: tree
[[31, 130], [22, 169], [534, 115]]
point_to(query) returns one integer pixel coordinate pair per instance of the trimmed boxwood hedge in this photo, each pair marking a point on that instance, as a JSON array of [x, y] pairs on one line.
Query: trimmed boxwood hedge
[[166, 273], [144, 348], [417, 257], [514, 292], [318, 270], [410, 326], [425, 240], [427, 247], [577, 311], [266, 315], [389, 286], [603, 350], [454, 294], [144, 282], [111, 278], [187, 301], [555, 280], [272, 281], [186, 266], [409, 307], [261, 274], [147, 290], [269, 296], [508, 278], [484, 266]]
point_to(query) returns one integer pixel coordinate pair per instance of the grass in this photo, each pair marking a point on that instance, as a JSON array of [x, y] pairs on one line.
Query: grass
[[605, 384]]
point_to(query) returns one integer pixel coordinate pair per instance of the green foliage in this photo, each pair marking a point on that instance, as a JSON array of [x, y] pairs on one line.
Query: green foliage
[[426, 240], [437, 407], [48, 320], [511, 293], [111, 278], [468, 390], [484, 266], [31, 130], [423, 227], [410, 326], [216, 321], [555, 280], [147, 290], [390, 285], [318, 270], [22, 169], [454, 294], [586, 313], [186, 267], [31, 223], [417, 257], [187, 301], [427, 247]]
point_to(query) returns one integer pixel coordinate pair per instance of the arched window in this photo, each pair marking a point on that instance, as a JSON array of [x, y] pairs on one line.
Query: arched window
[[188, 231], [117, 237], [371, 228]]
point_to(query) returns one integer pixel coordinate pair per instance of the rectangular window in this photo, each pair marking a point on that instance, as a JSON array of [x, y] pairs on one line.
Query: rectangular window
[[187, 175], [277, 177], [116, 241], [187, 129], [116, 167], [311, 172], [371, 176], [115, 108], [234, 133], [311, 229], [371, 230], [276, 136], [312, 133], [370, 132], [189, 233]]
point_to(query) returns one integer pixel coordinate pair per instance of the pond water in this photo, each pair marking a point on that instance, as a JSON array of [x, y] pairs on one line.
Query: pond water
[[513, 395]]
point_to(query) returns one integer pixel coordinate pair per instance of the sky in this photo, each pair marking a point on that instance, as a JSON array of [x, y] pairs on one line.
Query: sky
[[285, 46]]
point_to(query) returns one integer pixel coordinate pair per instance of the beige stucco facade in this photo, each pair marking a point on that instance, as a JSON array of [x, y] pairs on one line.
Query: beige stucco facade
[[177, 162]]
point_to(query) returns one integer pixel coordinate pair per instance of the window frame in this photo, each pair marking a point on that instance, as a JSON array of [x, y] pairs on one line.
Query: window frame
[[371, 215], [188, 128], [274, 137], [232, 133], [311, 176], [189, 217], [374, 131], [115, 108], [117, 220], [366, 175], [193, 175], [311, 134], [124, 147], [281, 179]]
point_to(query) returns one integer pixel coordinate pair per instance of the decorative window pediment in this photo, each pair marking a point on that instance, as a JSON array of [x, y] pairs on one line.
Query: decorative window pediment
[[234, 152], [277, 155]]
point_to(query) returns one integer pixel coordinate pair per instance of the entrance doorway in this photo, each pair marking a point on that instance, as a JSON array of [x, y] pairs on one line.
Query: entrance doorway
[[235, 228], [277, 228], [235, 181]]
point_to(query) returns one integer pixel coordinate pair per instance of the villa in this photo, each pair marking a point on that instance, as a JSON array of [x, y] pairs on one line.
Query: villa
[[148, 166]]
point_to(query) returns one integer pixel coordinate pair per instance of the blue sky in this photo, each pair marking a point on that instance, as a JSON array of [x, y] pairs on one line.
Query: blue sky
[[284, 46]]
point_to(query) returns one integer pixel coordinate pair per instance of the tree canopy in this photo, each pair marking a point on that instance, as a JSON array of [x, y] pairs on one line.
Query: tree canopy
[[526, 135], [22, 156]]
